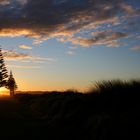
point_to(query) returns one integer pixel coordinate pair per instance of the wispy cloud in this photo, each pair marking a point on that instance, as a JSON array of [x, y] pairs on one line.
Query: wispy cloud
[[128, 8], [7, 2], [12, 55], [23, 67], [25, 47], [71, 52], [45, 19], [136, 48], [107, 38], [4, 2], [138, 37], [22, 2]]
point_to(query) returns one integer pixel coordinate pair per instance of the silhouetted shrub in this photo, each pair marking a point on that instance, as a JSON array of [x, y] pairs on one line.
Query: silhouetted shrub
[[109, 112]]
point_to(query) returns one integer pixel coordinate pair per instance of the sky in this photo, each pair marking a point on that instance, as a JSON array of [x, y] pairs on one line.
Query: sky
[[70, 44]]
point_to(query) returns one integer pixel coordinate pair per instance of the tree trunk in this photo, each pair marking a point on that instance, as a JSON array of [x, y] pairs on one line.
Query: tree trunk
[[11, 92]]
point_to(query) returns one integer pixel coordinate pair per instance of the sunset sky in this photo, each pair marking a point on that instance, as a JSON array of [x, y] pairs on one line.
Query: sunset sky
[[64, 44]]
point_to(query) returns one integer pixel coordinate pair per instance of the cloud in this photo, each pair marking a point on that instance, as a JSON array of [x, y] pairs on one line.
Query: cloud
[[45, 19], [70, 52], [108, 38], [128, 8], [12, 55], [138, 37], [25, 47], [4, 2], [22, 2], [17, 33], [37, 59], [136, 48], [8, 2], [23, 67]]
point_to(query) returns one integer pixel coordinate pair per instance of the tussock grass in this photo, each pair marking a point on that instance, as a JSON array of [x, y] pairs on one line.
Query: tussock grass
[[109, 112]]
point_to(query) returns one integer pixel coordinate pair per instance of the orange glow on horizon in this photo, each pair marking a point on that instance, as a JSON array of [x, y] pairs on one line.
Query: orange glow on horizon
[[4, 92]]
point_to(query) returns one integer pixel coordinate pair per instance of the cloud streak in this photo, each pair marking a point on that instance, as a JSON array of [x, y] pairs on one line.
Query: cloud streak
[[25, 47], [71, 52], [108, 38], [4, 2], [136, 48], [12, 55], [45, 19], [24, 67]]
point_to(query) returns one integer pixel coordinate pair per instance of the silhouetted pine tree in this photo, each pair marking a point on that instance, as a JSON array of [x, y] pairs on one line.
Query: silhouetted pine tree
[[11, 84], [3, 71]]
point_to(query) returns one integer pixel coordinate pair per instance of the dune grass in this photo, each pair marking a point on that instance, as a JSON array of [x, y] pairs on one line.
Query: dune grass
[[109, 112]]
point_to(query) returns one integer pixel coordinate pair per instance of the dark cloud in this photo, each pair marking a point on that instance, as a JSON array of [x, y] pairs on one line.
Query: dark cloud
[[43, 19]]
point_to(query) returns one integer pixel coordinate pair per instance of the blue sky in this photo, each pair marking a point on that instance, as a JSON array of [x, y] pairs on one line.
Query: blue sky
[[62, 44]]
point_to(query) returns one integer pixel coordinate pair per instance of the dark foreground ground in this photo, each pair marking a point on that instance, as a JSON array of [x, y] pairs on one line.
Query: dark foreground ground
[[112, 112]]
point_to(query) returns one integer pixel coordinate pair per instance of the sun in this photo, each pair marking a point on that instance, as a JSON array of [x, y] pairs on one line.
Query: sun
[[4, 91]]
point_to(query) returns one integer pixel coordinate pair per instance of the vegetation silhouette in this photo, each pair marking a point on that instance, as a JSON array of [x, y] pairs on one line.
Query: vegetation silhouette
[[11, 84], [3, 70], [4, 82], [111, 111]]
